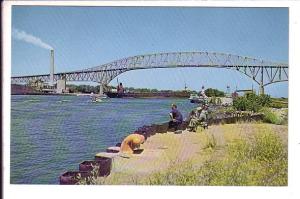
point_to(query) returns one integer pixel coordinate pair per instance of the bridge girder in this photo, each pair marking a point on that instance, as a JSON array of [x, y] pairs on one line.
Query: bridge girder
[[255, 69]]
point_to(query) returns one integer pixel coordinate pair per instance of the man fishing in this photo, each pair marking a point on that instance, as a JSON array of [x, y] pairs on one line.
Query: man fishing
[[176, 118]]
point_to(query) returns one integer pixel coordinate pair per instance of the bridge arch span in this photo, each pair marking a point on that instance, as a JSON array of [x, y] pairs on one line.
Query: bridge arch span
[[260, 71], [254, 68]]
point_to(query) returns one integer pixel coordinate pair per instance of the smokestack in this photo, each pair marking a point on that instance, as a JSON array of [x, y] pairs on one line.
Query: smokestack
[[51, 67]]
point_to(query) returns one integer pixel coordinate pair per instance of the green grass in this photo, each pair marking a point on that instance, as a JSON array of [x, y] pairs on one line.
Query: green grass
[[249, 155], [272, 117], [261, 161], [279, 103], [210, 142]]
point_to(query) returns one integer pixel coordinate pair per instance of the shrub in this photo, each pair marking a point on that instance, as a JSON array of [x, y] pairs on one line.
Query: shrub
[[240, 104], [264, 100], [271, 117], [251, 102], [246, 104]]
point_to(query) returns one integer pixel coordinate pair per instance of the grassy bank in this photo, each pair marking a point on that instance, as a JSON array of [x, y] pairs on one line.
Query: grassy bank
[[275, 116], [230, 154], [260, 160]]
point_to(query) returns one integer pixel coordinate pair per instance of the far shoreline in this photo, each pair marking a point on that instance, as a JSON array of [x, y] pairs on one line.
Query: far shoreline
[[87, 94]]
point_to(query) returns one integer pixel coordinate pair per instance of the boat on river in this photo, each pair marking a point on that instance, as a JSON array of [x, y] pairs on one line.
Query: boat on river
[[194, 98], [96, 100], [115, 95]]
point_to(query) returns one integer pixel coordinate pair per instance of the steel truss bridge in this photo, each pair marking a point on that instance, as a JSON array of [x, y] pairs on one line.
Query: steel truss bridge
[[260, 71]]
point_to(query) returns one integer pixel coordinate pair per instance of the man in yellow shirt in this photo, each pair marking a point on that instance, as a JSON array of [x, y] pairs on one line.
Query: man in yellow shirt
[[131, 142]]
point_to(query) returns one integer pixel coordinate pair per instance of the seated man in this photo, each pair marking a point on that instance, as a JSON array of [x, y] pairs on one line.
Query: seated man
[[193, 121], [198, 117], [176, 118], [202, 115], [131, 142]]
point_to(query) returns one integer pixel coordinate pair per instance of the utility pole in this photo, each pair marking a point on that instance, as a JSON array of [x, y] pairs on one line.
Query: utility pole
[[185, 87]]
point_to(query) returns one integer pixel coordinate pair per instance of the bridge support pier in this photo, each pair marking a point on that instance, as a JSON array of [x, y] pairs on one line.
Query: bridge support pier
[[101, 89], [261, 89], [261, 85]]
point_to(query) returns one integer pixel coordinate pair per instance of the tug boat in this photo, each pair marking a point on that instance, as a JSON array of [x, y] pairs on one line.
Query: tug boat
[[114, 94]]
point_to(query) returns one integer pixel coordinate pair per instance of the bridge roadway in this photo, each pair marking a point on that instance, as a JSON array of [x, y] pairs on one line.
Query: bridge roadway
[[260, 71]]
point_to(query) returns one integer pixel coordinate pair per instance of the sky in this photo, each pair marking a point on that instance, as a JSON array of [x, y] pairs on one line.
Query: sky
[[83, 37]]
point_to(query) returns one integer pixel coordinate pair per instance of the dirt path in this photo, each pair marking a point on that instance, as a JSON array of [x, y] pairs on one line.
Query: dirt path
[[164, 150], [159, 152]]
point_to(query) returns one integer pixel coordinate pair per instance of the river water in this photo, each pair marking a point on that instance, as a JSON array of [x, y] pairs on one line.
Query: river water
[[53, 134]]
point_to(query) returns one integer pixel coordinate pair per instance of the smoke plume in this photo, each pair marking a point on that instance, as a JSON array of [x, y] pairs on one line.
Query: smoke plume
[[23, 36]]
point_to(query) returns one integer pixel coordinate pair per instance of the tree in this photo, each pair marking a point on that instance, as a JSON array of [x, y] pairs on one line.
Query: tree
[[210, 92], [83, 88], [154, 90]]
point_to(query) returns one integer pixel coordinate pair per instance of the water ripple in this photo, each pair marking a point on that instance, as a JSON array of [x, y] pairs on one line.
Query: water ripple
[[52, 134]]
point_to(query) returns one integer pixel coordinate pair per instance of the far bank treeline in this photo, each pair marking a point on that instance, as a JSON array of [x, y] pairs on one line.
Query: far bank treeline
[[210, 92]]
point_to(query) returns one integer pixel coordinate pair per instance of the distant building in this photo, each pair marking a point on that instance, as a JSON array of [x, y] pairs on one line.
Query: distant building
[[21, 89], [61, 86]]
